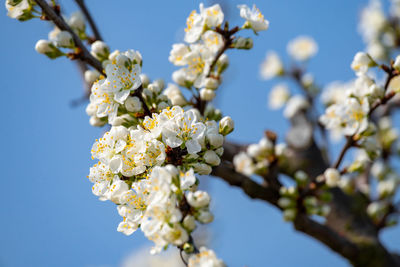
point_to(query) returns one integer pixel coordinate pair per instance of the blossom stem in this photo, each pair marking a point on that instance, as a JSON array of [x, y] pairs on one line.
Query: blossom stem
[[62, 25]]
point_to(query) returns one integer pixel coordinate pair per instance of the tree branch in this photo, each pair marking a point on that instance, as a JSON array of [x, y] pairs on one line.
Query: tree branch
[[62, 25]]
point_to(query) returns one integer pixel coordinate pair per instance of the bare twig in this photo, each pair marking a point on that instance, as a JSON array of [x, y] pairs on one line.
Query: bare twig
[[84, 54]]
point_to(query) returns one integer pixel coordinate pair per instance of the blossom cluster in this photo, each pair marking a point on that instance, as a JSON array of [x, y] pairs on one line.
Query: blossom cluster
[[202, 58], [149, 170]]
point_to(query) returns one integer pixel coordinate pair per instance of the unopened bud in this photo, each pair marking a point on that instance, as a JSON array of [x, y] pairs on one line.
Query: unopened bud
[[205, 216], [100, 50], [47, 48], [207, 94], [133, 104], [212, 158], [243, 43], [226, 125], [64, 39], [91, 76]]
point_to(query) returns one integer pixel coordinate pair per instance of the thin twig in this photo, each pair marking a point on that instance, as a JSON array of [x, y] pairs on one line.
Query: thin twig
[[89, 18], [84, 54]]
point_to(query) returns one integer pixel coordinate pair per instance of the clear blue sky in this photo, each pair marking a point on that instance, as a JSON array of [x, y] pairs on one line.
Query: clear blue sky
[[49, 216]]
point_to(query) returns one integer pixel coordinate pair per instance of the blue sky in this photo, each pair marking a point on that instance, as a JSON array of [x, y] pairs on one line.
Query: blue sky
[[49, 215]]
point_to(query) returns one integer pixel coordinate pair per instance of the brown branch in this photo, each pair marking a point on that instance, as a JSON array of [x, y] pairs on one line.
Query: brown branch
[[84, 54], [249, 187], [89, 18]]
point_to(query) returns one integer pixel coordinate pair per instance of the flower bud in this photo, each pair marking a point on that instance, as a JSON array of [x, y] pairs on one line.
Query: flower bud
[[77, 21], [64, 39], [332, 177], [243, 43], [202, 168], [219, 151], [285, 203], [189, 222], [362, 61], [205, 216], [376, 91], [133, 104], [153, 87], [375, 209], [226, 125], [145, 80], [288, 191], [91, 109], [160, 83], [175, 95], [198, 199], [47, 48], [280, 149], [188, 248], [222, 63], [212, 158], [289, 214], [387, 187], [215, 140], [396, 64], [207, 94], [324, 210], [100, 50], [91, 76], [211, 83], [96, 122], [301, 177], [179, 77]]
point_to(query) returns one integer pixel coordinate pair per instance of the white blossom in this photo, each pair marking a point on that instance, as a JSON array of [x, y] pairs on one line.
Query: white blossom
[[178, 53], [206, 258], [244, 163], [278, 96], [302, 48], [294, 105], [272, 66], [254, 18], [361, 62]]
